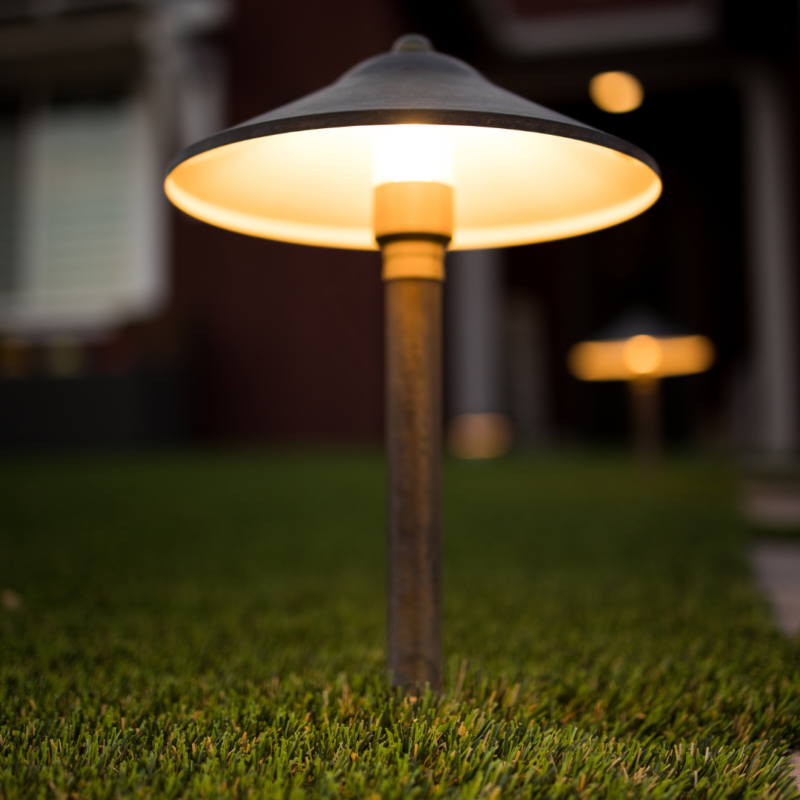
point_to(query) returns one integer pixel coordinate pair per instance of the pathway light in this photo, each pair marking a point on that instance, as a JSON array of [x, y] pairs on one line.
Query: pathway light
[[641, 349], [413, 152]]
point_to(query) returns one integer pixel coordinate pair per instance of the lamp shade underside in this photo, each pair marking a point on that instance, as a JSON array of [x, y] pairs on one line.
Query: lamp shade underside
[[305, 173]]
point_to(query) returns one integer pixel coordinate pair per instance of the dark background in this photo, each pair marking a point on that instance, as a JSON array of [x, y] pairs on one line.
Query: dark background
[[270, 342]]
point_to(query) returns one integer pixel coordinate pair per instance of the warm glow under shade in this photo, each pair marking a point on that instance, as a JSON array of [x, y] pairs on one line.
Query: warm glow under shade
[[640, 357], [316, 186]]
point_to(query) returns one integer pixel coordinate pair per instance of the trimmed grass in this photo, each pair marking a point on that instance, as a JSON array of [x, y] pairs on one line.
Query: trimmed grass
[[212, 625]]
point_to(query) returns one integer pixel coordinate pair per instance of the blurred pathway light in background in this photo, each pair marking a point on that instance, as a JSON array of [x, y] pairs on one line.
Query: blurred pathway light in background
[[65, 357], [16, 358], [412, 152], [480, 436], [616, 92], [641, 349], [477, 429]]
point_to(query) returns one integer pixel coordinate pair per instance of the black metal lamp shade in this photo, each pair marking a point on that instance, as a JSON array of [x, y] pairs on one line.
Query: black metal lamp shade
[[639, 321], [306, 172]]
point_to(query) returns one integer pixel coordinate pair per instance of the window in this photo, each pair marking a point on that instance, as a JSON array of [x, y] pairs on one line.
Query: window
[[81, 216]]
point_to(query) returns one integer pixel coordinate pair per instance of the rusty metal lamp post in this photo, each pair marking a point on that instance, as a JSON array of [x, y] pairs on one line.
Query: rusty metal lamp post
[[412, 152], [641, 349]]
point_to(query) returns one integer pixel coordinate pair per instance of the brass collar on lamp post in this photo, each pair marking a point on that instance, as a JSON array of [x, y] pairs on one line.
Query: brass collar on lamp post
[[412, 152], [641, 349]]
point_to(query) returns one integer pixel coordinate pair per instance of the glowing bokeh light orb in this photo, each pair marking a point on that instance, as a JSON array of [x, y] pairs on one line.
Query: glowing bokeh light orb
[[642, 354], [616, 92]]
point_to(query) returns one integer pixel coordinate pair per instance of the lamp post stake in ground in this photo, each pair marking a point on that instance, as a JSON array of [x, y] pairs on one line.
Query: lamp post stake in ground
[[413, 439], [413, 225], [412, 152], [645, 404]]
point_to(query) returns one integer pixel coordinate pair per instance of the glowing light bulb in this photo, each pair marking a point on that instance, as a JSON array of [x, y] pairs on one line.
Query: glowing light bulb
[[616, 92], [412, 153], [642, 354]]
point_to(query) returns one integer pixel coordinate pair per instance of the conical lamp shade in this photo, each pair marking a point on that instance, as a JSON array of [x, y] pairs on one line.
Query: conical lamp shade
[[638, 320], [306, 172]]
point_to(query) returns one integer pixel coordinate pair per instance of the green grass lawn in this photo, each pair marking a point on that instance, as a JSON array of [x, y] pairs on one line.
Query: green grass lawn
[[213, 625]]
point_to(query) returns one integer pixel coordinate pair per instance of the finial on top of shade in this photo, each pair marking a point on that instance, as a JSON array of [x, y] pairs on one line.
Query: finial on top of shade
[[412, 42]]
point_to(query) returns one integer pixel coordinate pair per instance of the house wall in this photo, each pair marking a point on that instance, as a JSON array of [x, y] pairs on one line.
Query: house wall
[[285, 341]]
